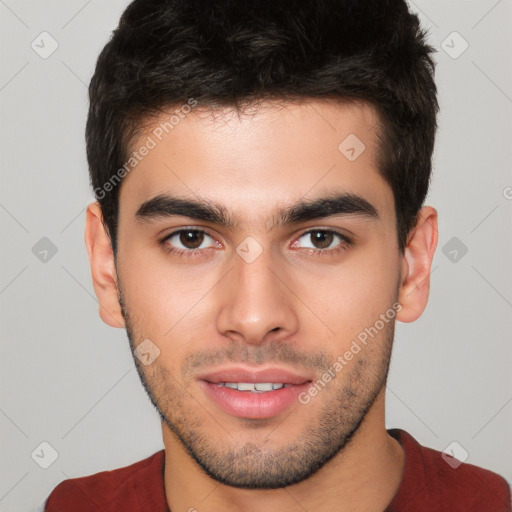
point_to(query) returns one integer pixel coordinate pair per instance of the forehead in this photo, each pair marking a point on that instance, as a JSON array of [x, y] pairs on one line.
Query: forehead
[[257, 160]]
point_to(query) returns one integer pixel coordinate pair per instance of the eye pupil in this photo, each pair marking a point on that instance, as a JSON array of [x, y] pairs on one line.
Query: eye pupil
[[323, 238], [195, 238]]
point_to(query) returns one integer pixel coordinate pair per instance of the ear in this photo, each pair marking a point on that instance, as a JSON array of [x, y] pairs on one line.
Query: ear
[[101, 259], [416, 264]]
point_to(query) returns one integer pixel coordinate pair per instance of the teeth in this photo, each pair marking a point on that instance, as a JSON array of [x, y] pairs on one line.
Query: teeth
[[256, 387], [264, 386], [245, 386]]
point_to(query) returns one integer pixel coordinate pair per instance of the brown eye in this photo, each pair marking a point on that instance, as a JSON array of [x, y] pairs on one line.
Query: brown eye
[[188, 240], [324, 241], [191, 239], [321, 239]]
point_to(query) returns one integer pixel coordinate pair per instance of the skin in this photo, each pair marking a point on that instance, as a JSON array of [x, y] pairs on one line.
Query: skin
[[290, 307]]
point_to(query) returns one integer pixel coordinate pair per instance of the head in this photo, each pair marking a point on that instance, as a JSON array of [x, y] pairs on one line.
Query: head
[[294, 142]]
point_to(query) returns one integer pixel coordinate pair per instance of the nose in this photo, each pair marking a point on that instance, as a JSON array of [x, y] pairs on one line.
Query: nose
[[257, 301]]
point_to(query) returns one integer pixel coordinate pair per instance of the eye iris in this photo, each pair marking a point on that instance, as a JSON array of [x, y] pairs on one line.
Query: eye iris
[[193, 238], [322, 238]]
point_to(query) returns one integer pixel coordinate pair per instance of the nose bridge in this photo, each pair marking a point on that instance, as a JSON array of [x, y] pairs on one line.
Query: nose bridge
[[254, 301]]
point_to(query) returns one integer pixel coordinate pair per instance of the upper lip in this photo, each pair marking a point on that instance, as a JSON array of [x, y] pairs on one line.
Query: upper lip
[[240, 374]]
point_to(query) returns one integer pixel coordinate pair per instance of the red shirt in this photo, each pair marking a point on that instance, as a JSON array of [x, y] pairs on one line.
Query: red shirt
[[429, 484]]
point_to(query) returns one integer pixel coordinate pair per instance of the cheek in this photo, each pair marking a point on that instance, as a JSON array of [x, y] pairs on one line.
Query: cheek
[[160, 290], [170, 297], [167, 304], [352, 295]]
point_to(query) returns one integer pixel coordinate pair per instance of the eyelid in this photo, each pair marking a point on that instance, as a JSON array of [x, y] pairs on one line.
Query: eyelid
[[345, 238], [204, 230], [198, 229], [346, 241]]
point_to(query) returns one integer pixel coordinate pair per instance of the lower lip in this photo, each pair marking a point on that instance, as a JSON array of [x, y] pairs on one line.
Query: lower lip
[[256, 406]]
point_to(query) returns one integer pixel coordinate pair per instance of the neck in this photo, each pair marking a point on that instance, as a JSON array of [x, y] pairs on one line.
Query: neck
[[364, 476]]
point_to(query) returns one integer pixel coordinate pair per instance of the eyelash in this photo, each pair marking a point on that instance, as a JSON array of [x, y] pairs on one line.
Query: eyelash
[[344, 244]]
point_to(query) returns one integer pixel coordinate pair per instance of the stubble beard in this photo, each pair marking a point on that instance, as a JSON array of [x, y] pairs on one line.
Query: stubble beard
[[261, 466]]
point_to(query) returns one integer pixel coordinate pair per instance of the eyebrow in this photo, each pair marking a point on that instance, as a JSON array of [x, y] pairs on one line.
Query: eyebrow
[[163, 206]]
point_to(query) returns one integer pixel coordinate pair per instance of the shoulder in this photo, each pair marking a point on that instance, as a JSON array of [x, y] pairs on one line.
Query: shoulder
[[443, 481], [113, 487], [456, 475]]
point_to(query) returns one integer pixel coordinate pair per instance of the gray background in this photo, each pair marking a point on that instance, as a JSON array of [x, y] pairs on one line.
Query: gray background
[[69, 380]]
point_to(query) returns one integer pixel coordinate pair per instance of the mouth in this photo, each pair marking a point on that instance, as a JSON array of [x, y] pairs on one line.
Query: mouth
[[254, 394]]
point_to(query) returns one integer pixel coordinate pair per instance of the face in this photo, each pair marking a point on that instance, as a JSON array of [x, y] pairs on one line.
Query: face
[[250, 289]]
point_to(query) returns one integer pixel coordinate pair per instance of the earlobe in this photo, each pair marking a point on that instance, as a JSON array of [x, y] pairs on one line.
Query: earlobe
[[416, 265], [101, 259]]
